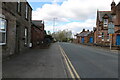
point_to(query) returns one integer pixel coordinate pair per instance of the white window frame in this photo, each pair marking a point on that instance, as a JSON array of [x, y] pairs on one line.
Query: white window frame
[[5, 22], [105, 22], [18, 6], [26, 11], [108, 37], [26, 36], [102, 36]]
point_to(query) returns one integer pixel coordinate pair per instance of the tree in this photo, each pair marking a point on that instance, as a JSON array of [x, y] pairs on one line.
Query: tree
[[63, 36]]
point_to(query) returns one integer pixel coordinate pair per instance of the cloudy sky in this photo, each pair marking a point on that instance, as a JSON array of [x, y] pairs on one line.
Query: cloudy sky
[[69, 14]]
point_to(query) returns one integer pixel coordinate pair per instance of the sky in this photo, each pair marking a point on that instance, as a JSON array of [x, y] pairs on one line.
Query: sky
[[72, 15]]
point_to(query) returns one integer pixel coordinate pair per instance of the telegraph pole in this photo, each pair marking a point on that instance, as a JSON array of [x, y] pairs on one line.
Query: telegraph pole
[[54, 25]]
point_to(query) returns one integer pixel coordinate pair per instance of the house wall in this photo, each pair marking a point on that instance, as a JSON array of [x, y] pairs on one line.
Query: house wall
[[16, 24], [37, 35]]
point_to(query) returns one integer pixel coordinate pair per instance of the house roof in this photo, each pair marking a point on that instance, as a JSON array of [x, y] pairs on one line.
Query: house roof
[[101, 14], [38, 23], [83, 34]]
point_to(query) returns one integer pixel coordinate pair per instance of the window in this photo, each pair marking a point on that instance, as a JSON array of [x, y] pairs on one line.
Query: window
[[108, 37], [26, 12], [2, 31], [102, 36], [26, 36], [18, 6], [105, 22]]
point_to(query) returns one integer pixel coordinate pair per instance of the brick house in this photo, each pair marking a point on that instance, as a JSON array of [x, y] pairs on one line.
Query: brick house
[[37, 32], [15, 27], [116, 20], [85, 37], [101, 35]]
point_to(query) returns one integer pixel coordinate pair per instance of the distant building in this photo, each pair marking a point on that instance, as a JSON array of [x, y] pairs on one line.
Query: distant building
[[37, 32], [101, 35], [15, 27], [85, 37]]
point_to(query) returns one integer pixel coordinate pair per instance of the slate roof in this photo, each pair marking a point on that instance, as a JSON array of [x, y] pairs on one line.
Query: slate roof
[[37, 23], [84, 34]]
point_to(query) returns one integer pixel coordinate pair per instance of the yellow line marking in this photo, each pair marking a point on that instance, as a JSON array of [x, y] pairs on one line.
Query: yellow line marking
[[73, 68], [71, 73], [68, 61]]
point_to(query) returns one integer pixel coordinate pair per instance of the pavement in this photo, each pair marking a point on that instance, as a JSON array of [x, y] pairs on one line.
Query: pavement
[[36, 63], [91, 62]]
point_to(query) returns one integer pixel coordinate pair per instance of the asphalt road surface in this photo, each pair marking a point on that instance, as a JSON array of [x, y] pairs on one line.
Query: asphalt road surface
[[91, 62]]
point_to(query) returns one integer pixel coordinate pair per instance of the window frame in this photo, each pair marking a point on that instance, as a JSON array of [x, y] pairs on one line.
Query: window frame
[[5, 31], [26, 11], [26, 36], [105, 23], [18, 6], [102, 36]]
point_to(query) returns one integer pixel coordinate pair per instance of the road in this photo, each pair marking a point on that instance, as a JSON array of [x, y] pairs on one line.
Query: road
[[81, 61], [91, 62]]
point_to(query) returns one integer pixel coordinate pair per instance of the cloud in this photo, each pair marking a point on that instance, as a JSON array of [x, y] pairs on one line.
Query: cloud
[[76, 27], [83, 11]]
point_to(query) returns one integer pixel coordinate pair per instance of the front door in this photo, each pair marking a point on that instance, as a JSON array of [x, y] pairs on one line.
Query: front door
[[118, 40], [82, 40], [91, 40], [17, 46]]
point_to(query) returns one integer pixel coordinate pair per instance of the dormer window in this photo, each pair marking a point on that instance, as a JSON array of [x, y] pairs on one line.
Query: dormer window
[[105, 23]]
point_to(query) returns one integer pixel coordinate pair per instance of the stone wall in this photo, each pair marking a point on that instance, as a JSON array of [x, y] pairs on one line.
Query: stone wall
[[16, 24]]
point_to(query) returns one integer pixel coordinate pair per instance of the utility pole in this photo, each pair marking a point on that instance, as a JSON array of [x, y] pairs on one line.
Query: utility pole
[[54, 25]]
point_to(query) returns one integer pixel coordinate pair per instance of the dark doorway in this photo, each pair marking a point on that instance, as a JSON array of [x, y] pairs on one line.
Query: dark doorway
[[17, 44]]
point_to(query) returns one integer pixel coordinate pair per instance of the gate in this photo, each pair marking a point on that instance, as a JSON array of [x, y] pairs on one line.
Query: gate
[[118, 40]]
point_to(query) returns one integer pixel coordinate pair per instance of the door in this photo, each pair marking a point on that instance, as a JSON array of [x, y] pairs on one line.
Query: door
[[17, 44], [118, 40], [82, 40], [91, 40]]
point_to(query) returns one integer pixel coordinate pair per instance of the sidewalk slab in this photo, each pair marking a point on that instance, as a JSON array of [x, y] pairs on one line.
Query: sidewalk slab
[[36, 63]]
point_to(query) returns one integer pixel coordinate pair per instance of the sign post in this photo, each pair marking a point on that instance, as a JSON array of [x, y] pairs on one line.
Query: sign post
[[110, 31]]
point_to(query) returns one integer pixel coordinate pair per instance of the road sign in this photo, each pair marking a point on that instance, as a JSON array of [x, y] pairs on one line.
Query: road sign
[[111, 28], [111, 31], [111, 25]]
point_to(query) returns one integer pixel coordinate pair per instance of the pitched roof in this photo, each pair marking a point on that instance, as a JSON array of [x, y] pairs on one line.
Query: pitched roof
[[83, 34], [102, 13], [37, 23]]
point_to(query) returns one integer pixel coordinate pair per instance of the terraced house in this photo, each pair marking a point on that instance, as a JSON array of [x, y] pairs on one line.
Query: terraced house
[[101, 35], [15, 27]]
